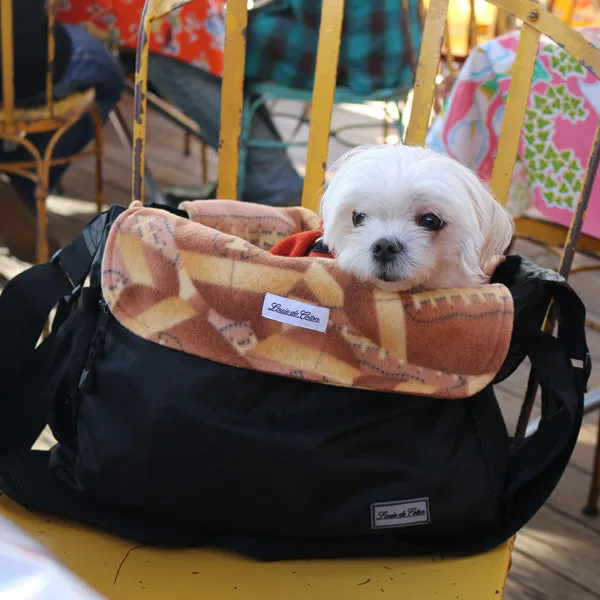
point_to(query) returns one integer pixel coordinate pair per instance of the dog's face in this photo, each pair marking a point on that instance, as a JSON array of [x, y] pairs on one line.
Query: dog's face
[[408, 218]]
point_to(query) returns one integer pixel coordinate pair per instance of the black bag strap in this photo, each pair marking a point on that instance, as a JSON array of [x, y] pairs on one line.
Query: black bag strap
[[563, 366], [25, 305]]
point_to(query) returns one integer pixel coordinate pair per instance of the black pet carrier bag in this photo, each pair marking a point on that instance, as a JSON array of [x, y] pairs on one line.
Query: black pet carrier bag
[[204, 392]]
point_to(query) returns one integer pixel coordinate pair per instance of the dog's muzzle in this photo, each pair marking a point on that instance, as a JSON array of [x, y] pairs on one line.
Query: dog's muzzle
[[386, 250]]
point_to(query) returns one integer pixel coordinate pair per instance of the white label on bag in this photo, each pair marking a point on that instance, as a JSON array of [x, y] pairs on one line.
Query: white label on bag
[[293, 312], [400, 514]]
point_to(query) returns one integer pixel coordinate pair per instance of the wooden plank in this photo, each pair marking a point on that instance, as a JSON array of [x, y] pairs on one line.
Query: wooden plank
[[569, 497], [564, 548], [529, 579]]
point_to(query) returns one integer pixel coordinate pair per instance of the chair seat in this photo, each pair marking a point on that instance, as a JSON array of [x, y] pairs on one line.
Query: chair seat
[[123, 570], [343, 95], [38, 119]]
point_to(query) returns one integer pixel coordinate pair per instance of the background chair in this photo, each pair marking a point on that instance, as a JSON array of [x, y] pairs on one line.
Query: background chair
[[54, 117], [190, 130], [259, 94]]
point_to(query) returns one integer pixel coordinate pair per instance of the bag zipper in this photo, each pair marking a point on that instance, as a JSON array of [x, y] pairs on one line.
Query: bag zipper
[[96, 344]]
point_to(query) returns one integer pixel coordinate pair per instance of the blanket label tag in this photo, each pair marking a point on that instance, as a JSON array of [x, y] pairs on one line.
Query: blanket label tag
[[400, 514], [294, 312]]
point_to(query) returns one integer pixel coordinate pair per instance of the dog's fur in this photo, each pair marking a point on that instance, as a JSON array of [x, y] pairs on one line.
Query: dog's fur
[[394, 187]]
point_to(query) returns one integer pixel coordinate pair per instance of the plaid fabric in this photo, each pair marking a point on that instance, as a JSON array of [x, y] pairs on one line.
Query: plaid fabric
[[380, 44]]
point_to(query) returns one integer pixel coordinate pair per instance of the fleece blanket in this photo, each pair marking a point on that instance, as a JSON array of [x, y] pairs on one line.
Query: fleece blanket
[[208, 286]]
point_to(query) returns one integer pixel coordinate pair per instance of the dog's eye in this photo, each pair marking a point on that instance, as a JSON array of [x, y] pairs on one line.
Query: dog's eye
[[358, 218], [431, 222]]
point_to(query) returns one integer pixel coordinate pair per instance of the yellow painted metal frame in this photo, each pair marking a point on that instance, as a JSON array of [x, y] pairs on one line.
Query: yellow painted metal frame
[[330, 32], [427, 69], [232, 99], [153, 9], [514, 113], [54, 117]]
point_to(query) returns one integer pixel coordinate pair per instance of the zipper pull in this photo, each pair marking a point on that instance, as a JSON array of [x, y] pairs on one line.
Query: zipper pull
[[96, 344]]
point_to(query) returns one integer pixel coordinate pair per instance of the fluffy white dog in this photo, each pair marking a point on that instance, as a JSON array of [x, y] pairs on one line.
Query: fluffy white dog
[[407, 218]]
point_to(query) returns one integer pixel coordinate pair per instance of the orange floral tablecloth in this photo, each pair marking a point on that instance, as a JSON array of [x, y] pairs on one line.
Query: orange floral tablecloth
[[194, 33]]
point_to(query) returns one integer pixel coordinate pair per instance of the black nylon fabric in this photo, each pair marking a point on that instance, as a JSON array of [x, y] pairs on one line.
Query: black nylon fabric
[[169, 448], [235, 450]]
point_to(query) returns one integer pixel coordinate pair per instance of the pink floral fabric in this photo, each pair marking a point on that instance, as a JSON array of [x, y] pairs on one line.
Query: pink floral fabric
[[559, 127]]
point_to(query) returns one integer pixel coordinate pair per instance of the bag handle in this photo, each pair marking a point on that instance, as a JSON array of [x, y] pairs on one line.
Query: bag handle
[[563, 366]]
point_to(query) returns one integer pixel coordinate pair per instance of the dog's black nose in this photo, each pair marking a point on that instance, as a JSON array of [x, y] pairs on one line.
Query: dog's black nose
[[386, 249]]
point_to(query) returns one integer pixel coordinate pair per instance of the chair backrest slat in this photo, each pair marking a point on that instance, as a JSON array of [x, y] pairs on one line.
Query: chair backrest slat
[[232, 98], [427, 70], [8, 64], [330, 32], [153, 9], [140, 103], [514, 113]]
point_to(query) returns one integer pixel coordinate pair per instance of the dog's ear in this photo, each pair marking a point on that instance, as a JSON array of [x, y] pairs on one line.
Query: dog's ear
[[327, 203], [495, 224], [498, 230]]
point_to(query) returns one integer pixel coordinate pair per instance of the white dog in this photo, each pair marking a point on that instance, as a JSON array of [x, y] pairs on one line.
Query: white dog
[[407, 218]]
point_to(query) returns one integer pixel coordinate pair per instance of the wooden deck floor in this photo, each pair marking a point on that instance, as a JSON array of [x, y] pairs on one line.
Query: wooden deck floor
[[557, 556]]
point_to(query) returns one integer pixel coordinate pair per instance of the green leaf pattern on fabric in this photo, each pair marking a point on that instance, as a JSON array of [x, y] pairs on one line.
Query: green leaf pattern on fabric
[[554, 172]]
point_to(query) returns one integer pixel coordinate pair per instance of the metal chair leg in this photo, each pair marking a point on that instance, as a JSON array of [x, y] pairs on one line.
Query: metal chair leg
[[204, 162], [386, 124], [591, 508], [591, 403], [119, 123], [41, 194], [187, 138], [99, 154], [247, 114], [303, 119]]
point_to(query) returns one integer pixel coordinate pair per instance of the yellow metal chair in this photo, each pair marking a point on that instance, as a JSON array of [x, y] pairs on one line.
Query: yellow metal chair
[[55, 116], [123, 570]]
